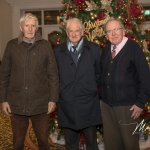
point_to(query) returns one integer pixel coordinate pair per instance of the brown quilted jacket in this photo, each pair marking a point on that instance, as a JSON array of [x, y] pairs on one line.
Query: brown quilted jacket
[[28, 76]]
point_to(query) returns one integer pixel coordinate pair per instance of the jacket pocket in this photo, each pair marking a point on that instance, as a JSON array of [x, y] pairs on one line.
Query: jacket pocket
[[13, 97]]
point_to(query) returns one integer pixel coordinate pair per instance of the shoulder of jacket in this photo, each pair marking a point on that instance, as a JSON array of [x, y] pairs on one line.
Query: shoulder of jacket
[[61, 47], [13, 41], [90, 44]]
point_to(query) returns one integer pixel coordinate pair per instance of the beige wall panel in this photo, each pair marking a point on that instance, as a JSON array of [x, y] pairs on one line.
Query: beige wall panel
[[5, 25]]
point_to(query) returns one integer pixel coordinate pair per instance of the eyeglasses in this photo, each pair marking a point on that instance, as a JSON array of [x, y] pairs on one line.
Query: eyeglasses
[[116, 30]]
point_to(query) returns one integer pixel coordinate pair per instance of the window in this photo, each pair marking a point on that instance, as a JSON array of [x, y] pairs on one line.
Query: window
[[51, 17], [147, 12]]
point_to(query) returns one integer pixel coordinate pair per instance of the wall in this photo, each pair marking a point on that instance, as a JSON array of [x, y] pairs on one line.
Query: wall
[[5, 25]]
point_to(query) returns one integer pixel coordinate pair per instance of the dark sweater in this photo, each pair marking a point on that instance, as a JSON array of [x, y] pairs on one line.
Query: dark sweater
[[125, 79]]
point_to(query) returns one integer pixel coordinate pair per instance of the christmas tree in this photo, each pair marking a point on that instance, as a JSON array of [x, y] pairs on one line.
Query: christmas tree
[[94, 14]]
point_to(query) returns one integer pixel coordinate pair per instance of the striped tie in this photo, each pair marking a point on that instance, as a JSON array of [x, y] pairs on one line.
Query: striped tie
[[113, 52]]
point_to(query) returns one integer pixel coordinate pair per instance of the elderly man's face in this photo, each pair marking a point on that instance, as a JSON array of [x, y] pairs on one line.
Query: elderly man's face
[[29, 28], [74, 32], [114, 32]]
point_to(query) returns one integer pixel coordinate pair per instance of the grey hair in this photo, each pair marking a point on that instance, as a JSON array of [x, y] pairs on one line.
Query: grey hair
[[113, 19], [27, 17], [77, 20]]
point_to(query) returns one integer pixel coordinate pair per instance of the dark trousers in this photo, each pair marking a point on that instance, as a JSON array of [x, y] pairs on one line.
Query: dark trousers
[[72, 138], [119, 127], [40, 124]]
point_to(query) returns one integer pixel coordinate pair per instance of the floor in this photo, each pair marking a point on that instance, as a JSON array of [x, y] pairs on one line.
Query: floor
[[30, 141]]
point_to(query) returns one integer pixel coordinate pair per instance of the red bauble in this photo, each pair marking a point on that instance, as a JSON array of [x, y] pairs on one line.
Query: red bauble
[[101, 16], [70, 6], [129, 23], [148, 43], [83, 4], [146, 114], [102, 44], [80, 7], [58, 40], [80, 3]]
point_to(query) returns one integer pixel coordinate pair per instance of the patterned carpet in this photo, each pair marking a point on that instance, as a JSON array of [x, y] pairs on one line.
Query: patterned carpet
[[30, 141]]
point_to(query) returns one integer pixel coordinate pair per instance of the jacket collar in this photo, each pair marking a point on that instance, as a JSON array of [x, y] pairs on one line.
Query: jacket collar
[[38, 37]]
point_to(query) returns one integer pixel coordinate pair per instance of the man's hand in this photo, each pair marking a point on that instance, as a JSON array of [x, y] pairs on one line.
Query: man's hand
[[51, 107], [136, 111], [6, 108]]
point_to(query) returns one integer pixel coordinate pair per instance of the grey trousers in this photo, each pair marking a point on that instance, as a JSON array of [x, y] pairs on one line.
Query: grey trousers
[[119, 127], [40, 124]]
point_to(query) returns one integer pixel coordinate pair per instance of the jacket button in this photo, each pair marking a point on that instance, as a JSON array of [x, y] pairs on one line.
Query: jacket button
[[107, 86], [26, 88], [108, 74]]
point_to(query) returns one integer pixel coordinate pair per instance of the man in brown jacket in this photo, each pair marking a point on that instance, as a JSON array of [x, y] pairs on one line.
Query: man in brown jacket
[[29, 83]]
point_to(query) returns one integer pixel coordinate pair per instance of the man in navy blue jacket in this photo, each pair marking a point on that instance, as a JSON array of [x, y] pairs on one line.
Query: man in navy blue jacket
[[78, 62], [125, 88]]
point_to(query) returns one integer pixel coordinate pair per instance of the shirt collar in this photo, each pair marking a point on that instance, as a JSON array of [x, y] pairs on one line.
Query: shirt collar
[[121, 44]]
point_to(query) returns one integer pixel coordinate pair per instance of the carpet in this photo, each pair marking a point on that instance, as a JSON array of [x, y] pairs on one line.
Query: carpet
[[30, 140]]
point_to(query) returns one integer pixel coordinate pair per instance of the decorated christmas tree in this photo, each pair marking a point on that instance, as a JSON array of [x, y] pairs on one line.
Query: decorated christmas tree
[[94, 14]]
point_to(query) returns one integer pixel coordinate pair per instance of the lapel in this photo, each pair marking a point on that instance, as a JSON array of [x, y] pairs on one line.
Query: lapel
[[84, 49], [65, 50]]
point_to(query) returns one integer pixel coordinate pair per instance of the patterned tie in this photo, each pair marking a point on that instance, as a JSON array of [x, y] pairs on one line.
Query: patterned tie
[[74, 49], [113, 52]]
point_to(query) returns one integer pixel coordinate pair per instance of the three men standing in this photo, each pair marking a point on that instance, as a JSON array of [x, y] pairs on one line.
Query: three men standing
[[29, 86]]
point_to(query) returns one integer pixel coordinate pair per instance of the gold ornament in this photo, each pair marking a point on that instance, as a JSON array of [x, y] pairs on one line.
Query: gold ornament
[[148, 59], [119, 17], [145, 46], [96, 28], [92, 17], [95, 15], [72, 11], [96, 41], [142, 11], [141, 17], [98, 140], [56, 125], [55, 121], [91, 13], [91, 6], [106, 5]]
